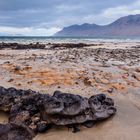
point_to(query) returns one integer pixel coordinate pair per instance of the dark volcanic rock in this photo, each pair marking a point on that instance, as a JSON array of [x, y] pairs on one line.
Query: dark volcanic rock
[[15, 132], [10, 96], [39, 112], [98, 107], [69, 45], [21, 46], [43, 126], [72, 104]]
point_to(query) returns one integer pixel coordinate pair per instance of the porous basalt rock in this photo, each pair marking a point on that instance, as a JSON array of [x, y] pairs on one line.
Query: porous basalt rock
[[15, 132], [19, 46], [79, 110], [10, 96], [39, 112], [69, 45]]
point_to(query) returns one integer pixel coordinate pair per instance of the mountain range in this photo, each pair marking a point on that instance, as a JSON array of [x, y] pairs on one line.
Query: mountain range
[[124, 26]]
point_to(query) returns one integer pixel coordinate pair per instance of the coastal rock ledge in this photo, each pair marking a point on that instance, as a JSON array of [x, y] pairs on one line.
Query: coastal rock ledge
[[31, 112]]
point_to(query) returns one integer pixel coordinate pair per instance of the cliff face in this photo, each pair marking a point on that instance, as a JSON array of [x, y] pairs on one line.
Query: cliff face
[[125, 26]]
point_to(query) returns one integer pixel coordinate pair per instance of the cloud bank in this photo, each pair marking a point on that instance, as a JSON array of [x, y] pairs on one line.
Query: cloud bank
[[44, 18]]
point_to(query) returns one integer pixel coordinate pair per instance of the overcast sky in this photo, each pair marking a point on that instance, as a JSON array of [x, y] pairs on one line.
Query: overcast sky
[[45, 17]]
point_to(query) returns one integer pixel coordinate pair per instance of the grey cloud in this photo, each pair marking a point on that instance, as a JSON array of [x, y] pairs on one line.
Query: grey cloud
[[54, 13]]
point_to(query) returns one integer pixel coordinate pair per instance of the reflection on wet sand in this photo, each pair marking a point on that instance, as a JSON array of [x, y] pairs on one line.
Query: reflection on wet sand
[[125, 125]]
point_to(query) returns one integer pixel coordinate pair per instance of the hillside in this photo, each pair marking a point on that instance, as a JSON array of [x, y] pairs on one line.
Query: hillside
[[124, 26]]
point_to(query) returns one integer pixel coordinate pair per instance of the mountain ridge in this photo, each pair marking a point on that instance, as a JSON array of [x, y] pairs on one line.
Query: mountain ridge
[[124, 26]]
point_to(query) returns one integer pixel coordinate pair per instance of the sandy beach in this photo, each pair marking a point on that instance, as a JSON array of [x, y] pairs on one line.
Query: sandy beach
[[112, 68]]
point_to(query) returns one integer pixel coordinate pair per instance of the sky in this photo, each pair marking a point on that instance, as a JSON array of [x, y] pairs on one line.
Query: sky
[[46, 17]]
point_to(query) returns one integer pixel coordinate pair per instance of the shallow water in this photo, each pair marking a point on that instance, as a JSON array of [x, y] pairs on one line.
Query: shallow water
[[45, 39]]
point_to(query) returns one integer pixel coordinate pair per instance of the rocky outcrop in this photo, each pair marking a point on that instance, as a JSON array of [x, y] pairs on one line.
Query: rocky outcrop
[[39, 112], [10, 96], [15, 132], [19, 46]]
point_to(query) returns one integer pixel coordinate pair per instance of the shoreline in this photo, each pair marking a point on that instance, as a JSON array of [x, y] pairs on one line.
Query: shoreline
[[110, 68]]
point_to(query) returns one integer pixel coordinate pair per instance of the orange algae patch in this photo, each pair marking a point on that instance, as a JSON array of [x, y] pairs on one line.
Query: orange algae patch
[[8, 66], [117, 86], [50, 77], [54, 78]]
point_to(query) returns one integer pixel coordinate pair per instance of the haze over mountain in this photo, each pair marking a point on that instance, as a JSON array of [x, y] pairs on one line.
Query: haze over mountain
[[124, 26]]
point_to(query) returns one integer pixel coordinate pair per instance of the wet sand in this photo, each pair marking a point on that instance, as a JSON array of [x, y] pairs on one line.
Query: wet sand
[[125, 125], [111, 68]]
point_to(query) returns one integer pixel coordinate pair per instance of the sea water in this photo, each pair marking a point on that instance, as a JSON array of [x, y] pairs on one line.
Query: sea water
[[88, 40]]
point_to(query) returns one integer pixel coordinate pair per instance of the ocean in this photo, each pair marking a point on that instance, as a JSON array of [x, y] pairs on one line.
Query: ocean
[[90, 40]]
